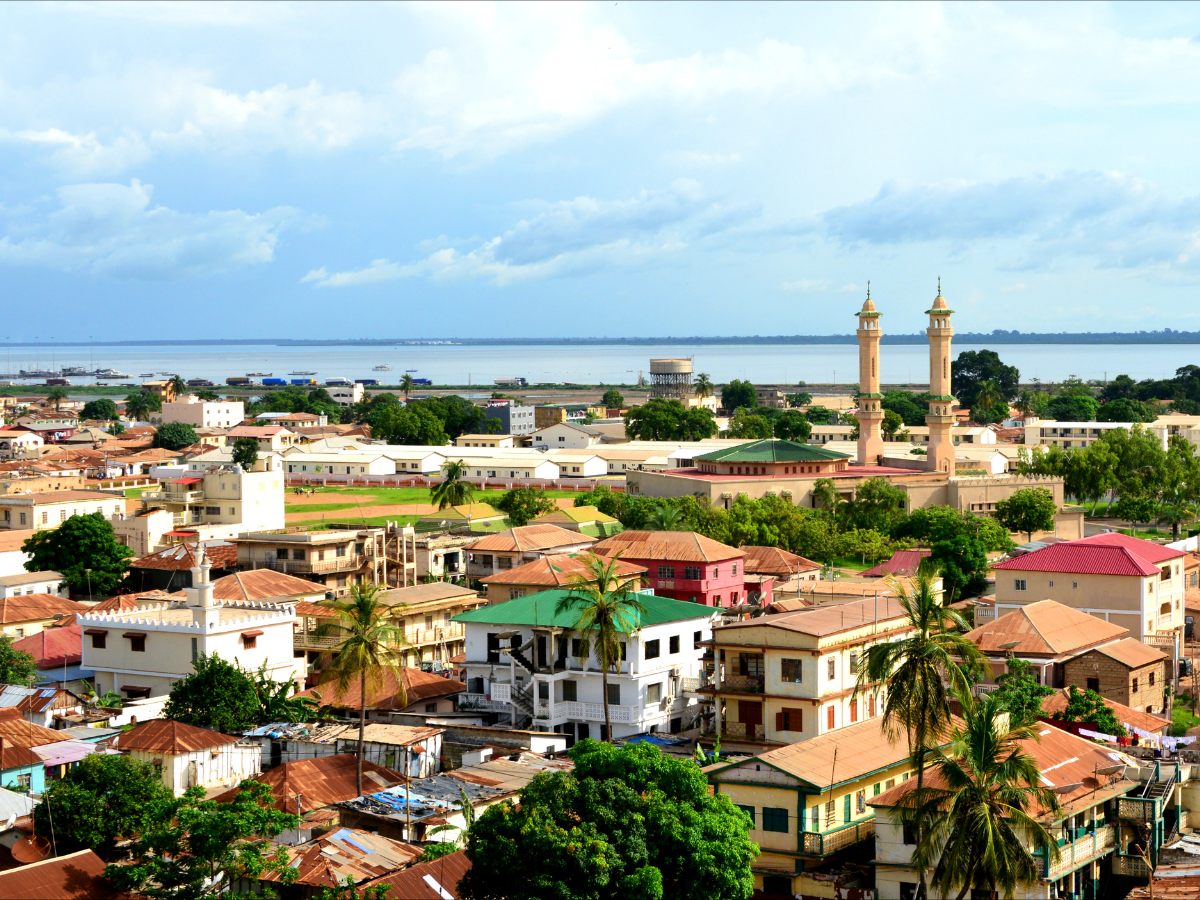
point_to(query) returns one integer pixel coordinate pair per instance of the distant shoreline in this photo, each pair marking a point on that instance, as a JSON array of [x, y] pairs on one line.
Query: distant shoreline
[[966, 337]]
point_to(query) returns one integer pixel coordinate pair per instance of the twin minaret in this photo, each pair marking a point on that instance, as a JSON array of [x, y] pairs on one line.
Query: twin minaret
[[870, 414]]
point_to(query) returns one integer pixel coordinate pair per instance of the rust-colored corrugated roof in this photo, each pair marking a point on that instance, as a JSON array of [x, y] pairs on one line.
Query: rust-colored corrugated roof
[[167, 736], [125, 602], [35, 607], [181, 557], [262, 584], [679, 546], [434, 592], [14, 755], [346, 853], [411, 883], [1045, 628], [530, 538], [774, 561], [76, 876], [1132, 652], [903, 562], [831, 619], [558, 571], [1101, 554], [308, 784], [1179, 882], [16, 728], [50, 647], [385, 694], [1057, 702]]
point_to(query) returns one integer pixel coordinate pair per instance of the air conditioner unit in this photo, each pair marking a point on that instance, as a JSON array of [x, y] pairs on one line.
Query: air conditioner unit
[[675, 671], [664, 703]]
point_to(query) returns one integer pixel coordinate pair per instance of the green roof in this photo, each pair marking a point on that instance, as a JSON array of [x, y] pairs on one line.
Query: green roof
[[540, 609], [577, 514], [772, 450], [462, 513]]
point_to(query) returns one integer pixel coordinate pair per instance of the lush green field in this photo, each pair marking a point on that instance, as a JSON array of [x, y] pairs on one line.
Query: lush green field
[[135, 493], [1182, 718], [355, 497]]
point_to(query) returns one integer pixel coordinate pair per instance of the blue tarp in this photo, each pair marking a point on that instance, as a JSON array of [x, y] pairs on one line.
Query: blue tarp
[[658, 740]]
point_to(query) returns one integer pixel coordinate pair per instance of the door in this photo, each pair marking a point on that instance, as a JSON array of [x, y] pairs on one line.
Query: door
[[541, 652], [750, 712], [493, 648]]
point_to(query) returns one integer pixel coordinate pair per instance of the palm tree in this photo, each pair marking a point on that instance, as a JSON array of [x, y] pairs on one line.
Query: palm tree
[[57, 395], [703, 385], [922, 671], [665, 518], [138, 406], [988, 395], [1026, 403], [178, 385], [406, 385], [980, 810], [607, 609], [454, 489], [367, 638]]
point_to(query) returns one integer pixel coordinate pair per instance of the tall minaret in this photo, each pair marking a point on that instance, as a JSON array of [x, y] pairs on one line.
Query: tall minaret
[[940, 419], [870, 414]]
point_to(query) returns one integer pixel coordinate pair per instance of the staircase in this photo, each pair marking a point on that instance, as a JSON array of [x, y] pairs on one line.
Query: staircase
[[520, 658]]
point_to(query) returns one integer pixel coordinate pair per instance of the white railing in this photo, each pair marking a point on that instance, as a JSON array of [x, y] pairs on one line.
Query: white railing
[[1079, 851], [690, 684], [501, 692], [589, 712], [980, 689], [1166, 622], [479, 701]]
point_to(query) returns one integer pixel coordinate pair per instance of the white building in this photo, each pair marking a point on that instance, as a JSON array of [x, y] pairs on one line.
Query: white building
[[523, 658], [31, 583], [191, 410], [20, 444], [225, 496], [346, 394], [187, 756], [367, 463], [1043, 432], [567, 436], [49, 509], [142, 652], [580, 465], [269, 461]]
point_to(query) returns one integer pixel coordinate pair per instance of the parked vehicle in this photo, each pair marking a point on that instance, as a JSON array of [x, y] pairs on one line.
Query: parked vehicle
[[275, 381]]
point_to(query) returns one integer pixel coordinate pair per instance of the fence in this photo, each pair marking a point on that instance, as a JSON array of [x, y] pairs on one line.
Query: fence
[[322, 479], [823, 843]]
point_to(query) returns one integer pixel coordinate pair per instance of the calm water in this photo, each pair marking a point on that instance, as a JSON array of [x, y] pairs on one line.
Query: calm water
[[457, 364]]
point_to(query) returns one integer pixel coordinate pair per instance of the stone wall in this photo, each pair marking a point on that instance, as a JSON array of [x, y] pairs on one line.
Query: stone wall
[[1116, 680]]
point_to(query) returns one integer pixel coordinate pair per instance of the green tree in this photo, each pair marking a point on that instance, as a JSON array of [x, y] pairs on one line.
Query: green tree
[[445, 848], [973, 367], [612, 399], [1088, 706], [100, 802], [1072, 409], [963, 564], [703, 385], [625, 824], [988, 394], [892, 423], [16, 666], [877, 504], [1120, 387], [207, 395], [793, 426], [217, 695], [202, 849], [415, 424], [800, 398], [669, 420], [1124, 409], [825, 493], [1019, 691], [277, 700], [931, 524], [906, 405], [140, 404], [245, 453], [604, 499], [745, 425], [922, 670], [978, 816], [1031, 403], [453, 489], [738, 394], [407, 384], [178, 386], [666, 518], [57, 395], [175, 436], [85, 550], [1028, 510], [103, 410], [866, 544], [606, 609], [367, 636], [523, 504], [819, 415]]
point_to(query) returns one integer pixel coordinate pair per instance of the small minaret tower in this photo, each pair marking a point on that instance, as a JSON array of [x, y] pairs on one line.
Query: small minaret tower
[[940, 419], [870, 414], [206, 610]]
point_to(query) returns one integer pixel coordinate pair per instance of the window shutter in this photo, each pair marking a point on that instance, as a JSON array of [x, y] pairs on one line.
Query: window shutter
[[779, 721]]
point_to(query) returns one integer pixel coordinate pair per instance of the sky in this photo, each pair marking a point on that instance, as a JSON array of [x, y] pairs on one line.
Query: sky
[[307, 170]]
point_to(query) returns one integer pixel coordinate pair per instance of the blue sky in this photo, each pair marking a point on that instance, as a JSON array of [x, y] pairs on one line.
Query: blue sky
[[306, 170]]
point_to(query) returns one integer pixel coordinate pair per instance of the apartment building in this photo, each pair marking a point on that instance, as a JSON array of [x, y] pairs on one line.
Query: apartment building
[[336, 559], [31, 583], [49, 509], [191, 410], [682, 564], [225, 496], [513, 418], [508, 549], [269, 437], [16, 442], [347, 394], [791, 677], [525, 659], [1136, 584], [551, 572], [1044, 432]]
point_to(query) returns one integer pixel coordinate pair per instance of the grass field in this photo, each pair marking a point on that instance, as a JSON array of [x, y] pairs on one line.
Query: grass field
[[134, 493], [349, 498], [1182, 718]]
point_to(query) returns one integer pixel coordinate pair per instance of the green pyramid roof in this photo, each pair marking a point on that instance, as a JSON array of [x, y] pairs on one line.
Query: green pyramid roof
[[772, 450], [542, 609]]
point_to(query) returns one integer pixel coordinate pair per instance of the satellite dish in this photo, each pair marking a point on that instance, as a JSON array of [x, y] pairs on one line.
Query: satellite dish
[[1111, 770], [1068, 788], [1009, 645], [31, 849]]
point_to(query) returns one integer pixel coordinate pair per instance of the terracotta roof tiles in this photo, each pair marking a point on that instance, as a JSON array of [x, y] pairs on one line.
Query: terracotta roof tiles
[[681, 546]]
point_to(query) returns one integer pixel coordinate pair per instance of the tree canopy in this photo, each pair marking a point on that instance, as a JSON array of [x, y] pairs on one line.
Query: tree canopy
[[84, 549], [748, 425], [175, 436], [523, 504], [612, 399], [963, 563], [1124, 409], [1088, 706], [16, 666], [669, 420], [1029, 509], [1019, 691], [738, 394], [626, 823], [216, 695], [1072, 408], [793, 426], [245, 452], [973, 367], [102, 409]]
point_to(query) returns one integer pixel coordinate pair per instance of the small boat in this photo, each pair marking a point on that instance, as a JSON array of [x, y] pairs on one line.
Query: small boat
[[383, 367], [260, 374], [302, 373], [410, 370], [146, 375]]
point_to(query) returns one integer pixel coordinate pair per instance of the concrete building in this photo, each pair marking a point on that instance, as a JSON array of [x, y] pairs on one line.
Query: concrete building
[[225, 497], [334, 559], [504, 441], [565, 436], [299, 462], [30, 613], [682, 564], [773, 457], [347, 394], [17, 443], [1126, 671], [554, 572], [186, 756], [269, 437], [539, 672], [191, 410], [513, 418], [49, 509], [508, 549], [31, 583]]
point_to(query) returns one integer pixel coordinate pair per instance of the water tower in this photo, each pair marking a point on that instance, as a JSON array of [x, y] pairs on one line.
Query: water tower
[[671, 379]]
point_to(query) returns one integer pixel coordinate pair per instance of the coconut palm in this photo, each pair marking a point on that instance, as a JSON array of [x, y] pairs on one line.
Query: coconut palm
[[979, 810], [703, 385], [988, 395], [406, 385], [367, 637], [922, 671], [1026, 403], [140, 404], [665, 518], [607, 609], [178, 385], [57, 395], [454, 489]]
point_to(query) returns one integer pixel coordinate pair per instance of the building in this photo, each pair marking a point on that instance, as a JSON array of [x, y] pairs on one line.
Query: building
[[302, 462], [269, 437], [787, 570], [310, 784], [902, 562], [574, 465], [170, 569], [49, 509], [337, 559], [12, 556], [164, 390], [436, 879], [410, 691], [347, 394], [1136, 584], [809, 805], [186, 756], [565, 436], [504, 467], [140, 653], [682, 564], [211, 457], [18, 443], [584, 519], [544, 416], [468, 517], [343, 855], [191, 410], [671, 379], [1126, 671], [546, 573], [773, 457], [229, 498], [513, 418], [525, 658], [30, 613], [21, 769], [31, 583], [72, 876], [506, 441], [1093, 839], [790, 677], [511, 548]]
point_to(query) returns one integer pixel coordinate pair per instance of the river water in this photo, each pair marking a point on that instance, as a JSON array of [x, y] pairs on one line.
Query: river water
[[600, 363]]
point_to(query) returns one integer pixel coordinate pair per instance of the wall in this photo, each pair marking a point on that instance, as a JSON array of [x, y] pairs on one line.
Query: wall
[[1116, 680], [231, 764]]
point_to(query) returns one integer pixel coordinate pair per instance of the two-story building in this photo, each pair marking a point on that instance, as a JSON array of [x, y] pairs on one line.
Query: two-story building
[[191, 410], [785, 678], [513, 547], [223, 496], [1126, 671], [526, 659], [682, 564], [1136, 584], [337, 559], [269, 437], [49, 509], [565, 436], [17, 442], [562, 571], [30, 613]]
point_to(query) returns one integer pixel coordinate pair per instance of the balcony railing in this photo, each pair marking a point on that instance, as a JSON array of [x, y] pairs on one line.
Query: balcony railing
[[303, 639], [1081, 850], [690, 685], [480, 701], [743, 731], [1133, 866], [314, 566], [590, 712], [1166, 621], [1138, 809], [174, 496], [742, 684], [823, 843]]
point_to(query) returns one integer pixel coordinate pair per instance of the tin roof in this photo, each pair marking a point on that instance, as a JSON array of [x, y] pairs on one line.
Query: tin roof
[[29, 578], [52, 647], [35, 607], [541, 609], [16, 728], [903, 562], [75, 876], [574, 515], [1132, 653], [433, 592], [13, 756], [558, 571], [434, 880], [385, 694], [1127, 715], [329, 860], [528, 538], [220, 555], [1101, 554], [167, 736], [262, 584], [312, 783], [772, 450], [775, 561], [1045, 628], [822, 621], [679, 546]]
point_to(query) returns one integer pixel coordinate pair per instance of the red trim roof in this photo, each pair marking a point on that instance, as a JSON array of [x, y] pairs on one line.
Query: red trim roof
[[1102, 554], [187, 481]]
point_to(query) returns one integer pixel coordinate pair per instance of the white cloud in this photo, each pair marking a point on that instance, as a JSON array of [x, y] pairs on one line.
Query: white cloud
[[112, 229], [804, 287], [83, 154], [570, 237]]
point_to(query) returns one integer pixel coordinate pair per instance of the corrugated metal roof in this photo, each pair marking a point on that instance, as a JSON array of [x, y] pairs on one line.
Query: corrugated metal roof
[[553, 571], [308, 784], [167, 736], [220, 555], [385, 694], [680, 546], [1102, 554], [76, 875], [1132, 652], [262, 584], [426, 593], [16, 728], [13, 756], [775, 561], [1045, 628], [903, 562], [346, 853], [52, 647], [542, 609], [825, 620], [35, 607], [772, 450], [1057, 702], [528, 538], [433, 880]]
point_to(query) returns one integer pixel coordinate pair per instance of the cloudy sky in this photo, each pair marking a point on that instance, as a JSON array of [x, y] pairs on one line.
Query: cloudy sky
[[306, 170]]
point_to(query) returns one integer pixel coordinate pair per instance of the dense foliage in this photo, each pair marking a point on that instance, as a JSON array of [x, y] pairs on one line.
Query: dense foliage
[[434, 421], [626, 823], [669, 420], [738, 394], [84, 549], [103, 409], [972, 368], [1028, 510], [217, 695], [524, 504], [1019, 691], [245, 453], [612, 399], [297, 399], [1088, 706], [175, 436], [16, 666]]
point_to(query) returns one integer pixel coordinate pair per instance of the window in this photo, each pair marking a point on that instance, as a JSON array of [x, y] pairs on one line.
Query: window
[[298, 553], [791, 671], [137, 644], [45, 518], [652, 649], [623, 655], [692, 573], [831, 667], [484, 559], [829, 717], [504, 562], [829, 814], [1151, 679], [775, 818], [853, 661], [860, 802], [23, 781], [853, 710], [1074, 584], [577, 647], [716, 571], [281, 553], [666, 571], [1018, 584], [654, 692], [908, 890], [614, 695], [697, 638], [196, 650], [212, 510], [341, 552], [910, 835], [249, 641], [748, 810], [889, 784], [789, 719], [875, 791], [98, 641], [1135, 686], [570, 691], [673, 644], [429, 621], [431, 707], [62, 515]]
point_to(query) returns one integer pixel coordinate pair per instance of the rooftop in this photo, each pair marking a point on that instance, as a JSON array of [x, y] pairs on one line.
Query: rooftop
[[263, 584], [329, 860], [821, 621], [1127, 715], [529, 538], [473, 511], [386, 694], [436, 879], [168, 736], [558, 571], [318, 782], [775, 561], [75, 876], [434, 592], [181, 557], [29, 578], [772, 450], [1132, 653], [1101, 554], [575, 515], [903, 562], [852, 472], [52, 647], [1045, 628], [680, 546], [34, 607], [541, 609]]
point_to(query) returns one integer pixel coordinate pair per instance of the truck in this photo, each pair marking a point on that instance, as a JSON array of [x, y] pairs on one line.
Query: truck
[[274, 381], [338, 382], [200, 382], [238, 381], [367, 382], [422, 381], [304, 381]]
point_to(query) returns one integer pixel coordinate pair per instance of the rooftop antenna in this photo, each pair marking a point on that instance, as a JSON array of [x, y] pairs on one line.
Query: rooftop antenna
[[939, 285]]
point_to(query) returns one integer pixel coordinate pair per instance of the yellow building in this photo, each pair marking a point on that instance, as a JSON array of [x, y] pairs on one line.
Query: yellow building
[[49, 509], [808, 805]]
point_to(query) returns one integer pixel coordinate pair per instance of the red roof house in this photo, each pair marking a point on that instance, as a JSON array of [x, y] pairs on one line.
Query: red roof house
[[683, 565]]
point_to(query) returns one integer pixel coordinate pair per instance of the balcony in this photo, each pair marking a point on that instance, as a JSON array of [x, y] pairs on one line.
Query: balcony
[[347, 563], [588, 712], [824, 843], [1139, 809], [1077, 852], [1166, 621], [1133, 866], [480, 702], [175, 496], [743, 731], [741, 684]]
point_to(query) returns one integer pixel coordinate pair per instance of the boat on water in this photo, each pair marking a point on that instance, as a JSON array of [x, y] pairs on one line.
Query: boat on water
[[410, 370], [260, 374], [382, 367], [146, 375], [302, 373]]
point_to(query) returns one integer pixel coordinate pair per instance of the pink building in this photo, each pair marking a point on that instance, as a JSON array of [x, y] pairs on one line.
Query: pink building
[[683, 565]]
